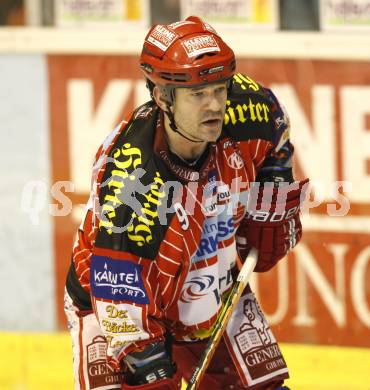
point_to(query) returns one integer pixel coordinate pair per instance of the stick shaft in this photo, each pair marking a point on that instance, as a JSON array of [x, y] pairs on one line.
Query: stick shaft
[[223, 319]]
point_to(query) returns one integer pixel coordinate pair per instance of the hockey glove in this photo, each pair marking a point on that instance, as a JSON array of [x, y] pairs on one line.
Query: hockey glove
[[272, 222], [151, 368], [173, 383]]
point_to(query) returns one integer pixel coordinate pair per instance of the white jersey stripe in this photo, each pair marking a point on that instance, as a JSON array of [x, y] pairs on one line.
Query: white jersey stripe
[[173, 246]]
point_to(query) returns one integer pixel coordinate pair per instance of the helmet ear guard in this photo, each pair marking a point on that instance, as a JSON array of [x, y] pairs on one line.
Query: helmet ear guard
[[168, 93]]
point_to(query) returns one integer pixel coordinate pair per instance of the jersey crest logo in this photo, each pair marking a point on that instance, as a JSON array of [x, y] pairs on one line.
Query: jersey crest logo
[[235, 161]]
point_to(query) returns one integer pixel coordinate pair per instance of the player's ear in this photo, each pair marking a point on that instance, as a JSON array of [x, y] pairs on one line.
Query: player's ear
[[158, 97]]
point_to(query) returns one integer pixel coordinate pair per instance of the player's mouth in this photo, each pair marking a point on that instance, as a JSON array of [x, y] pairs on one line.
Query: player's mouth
[[212, 122]]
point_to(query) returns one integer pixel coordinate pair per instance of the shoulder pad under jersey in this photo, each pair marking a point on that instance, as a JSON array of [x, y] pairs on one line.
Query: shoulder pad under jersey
[[254, 112]]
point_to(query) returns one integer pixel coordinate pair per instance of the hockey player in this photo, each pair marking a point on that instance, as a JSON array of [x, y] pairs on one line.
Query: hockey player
[[172, 201]]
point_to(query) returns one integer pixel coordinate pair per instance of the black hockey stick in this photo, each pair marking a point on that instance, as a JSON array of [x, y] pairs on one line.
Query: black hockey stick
[[223, 319]]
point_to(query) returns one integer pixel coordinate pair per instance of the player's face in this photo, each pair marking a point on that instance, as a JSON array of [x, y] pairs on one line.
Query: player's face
[[200, 111]]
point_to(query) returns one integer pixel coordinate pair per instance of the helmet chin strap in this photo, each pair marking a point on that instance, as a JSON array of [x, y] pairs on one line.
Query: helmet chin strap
[[173, 126]]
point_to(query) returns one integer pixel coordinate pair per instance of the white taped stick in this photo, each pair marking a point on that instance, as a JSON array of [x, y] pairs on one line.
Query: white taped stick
[[223, 319], [248, 267]]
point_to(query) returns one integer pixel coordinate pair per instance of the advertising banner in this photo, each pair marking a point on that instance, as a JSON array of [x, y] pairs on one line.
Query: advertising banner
[[345, 15], [100, 13], [319, 293], [233, 13]]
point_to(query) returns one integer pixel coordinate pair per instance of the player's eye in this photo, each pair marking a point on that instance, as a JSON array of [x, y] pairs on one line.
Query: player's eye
[[221, 89]]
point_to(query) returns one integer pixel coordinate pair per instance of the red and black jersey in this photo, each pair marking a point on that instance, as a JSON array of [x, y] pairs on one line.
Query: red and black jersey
[[156, 250]]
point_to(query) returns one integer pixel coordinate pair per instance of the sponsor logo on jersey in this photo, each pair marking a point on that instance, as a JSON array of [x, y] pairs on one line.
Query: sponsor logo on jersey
[[223, 194], [196, 288], [211, 187], [253, 344], [200, 286], [214, 193], [201, 295], [210, 207], [140, 230], [199, 45], [162, 37], [235, 161], [121, 323], [118, 321], [248, 111], [267, 216], [123, 185], [209, 195], [123, 159], [279, 122], [99, 372], [117, 280], [213, 231]]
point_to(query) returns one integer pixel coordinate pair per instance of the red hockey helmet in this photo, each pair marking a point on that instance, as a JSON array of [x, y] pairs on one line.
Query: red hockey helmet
[[188, 53]]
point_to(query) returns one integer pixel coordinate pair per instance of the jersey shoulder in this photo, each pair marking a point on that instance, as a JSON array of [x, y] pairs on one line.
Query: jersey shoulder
[[254, 112], [131, 190]]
